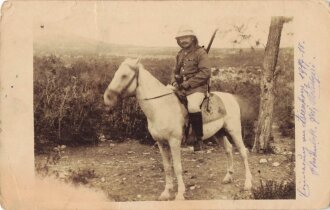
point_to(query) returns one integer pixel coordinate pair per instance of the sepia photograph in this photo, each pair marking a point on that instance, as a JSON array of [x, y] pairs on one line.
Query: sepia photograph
[[162, 101]]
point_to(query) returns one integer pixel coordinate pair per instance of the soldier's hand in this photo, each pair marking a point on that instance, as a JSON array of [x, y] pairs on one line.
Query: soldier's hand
[[185, 85], [175, 84], [178, 78]]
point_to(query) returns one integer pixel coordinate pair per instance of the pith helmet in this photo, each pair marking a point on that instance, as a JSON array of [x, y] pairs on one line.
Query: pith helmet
[[185, 31]]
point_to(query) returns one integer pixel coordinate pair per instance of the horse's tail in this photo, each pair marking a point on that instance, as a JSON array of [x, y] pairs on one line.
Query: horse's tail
[[247, 110], [249, 116]]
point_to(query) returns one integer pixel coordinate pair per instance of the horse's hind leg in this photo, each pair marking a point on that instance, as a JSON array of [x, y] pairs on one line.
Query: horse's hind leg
[[166, 156], [221, 138], [175, 145], [230, 164], [234, 130]]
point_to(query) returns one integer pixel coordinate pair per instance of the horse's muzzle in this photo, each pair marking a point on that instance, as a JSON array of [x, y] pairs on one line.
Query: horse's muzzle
[[110, 98]]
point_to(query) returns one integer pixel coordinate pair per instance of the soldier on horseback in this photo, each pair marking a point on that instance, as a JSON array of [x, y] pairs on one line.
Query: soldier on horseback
[[191, 75]]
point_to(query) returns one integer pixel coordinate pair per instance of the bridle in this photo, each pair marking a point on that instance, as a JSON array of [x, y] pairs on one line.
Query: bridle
[[136, 76]]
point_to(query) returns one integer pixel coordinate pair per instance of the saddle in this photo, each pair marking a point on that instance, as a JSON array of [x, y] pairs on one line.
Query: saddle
[[212, 109], [212, 106]]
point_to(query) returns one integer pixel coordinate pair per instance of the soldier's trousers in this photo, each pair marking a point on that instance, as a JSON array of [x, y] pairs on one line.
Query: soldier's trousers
[[194, 102]]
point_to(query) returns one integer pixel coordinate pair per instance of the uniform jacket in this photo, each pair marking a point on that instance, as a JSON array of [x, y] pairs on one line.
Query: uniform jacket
[[194, 66]]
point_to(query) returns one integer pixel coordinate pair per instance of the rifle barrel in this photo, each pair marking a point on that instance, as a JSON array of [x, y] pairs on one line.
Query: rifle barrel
[[211, 41]]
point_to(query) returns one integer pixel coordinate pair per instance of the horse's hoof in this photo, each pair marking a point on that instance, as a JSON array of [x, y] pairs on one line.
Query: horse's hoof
[[164, 196], [227, 180], [247, 186], [179, 198]]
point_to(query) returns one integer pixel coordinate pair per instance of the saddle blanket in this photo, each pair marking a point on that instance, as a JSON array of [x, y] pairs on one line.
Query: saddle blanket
[[212, 108]]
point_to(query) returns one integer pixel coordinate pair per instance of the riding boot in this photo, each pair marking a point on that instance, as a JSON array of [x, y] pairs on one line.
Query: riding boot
[[197, 126]]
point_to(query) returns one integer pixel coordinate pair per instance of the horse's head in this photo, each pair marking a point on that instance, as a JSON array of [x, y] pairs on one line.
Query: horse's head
[[124, 82]]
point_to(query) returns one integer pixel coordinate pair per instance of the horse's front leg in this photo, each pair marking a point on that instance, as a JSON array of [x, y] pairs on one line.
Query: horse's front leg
[[175, 145], [166, 156]]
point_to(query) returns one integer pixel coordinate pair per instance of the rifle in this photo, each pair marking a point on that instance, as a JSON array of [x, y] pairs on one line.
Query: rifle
[[209, 81], [211, 41]]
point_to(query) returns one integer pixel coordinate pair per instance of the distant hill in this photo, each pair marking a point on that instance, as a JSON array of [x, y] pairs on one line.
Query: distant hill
[[66, 44], [62, 44]]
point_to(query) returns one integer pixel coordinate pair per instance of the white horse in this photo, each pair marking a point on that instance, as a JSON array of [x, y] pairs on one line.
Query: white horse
[[166, 121]]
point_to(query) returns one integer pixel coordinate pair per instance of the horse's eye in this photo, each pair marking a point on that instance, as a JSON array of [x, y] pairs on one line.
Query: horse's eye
[[124, 76]]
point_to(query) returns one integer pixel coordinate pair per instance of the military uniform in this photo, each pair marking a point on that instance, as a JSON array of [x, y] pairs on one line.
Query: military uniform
[[191, 73], [194, 67]]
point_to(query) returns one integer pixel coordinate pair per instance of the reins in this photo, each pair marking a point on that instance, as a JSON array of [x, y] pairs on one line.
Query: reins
[[145, 99]]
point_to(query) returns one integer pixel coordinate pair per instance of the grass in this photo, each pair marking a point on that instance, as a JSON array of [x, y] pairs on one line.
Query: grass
[[271, 189]]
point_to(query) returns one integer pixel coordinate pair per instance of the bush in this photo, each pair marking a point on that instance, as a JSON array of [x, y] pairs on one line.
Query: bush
[[81, 176], [284, 100], [126, 121], [53, 158], [275, 190], [48, 168], [67, 101]]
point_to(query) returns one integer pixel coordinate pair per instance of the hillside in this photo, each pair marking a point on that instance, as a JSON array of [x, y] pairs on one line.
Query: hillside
[[66, 44]]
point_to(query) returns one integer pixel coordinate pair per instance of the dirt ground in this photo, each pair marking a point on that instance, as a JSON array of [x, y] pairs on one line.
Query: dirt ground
[[130, 171]]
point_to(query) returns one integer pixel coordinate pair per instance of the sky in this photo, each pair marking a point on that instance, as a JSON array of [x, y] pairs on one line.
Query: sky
[[150, 23]]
